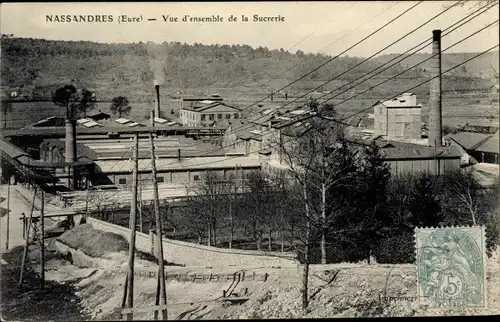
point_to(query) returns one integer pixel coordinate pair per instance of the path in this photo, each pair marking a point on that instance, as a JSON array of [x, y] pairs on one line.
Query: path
[[17, 206]]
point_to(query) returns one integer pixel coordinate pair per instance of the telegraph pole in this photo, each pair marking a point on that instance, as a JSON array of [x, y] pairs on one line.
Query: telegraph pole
[[7, 235], [161, 269], [27, 241], [132, 225], [42, 244], [140, 205]]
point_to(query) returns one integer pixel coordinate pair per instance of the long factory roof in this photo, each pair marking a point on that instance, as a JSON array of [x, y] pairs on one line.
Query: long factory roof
[[104, 130], [197, 163], [122, 148]]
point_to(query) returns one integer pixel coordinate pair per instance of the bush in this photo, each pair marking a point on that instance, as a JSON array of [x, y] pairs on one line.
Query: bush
[[447, 129], [397, 249]]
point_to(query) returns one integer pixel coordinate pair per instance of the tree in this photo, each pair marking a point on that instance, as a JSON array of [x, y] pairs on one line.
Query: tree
[[372, 209], [319, 160], [87, 101], [6, 108], [120, 105], [67, 97], [210, 196], [462, 198], [257, 203], [425, 205]]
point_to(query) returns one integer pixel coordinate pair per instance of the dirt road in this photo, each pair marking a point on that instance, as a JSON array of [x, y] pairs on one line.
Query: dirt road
[[17, 206]]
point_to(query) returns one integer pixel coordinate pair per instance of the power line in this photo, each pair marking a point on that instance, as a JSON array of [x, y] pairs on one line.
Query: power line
[[378, 52], [250, 124], [426, 81], [416, 51], [343, 119], [241, 128], [335, 57], [450, 69], [266, 65], [335, 41], [406, 90], [330, 60]]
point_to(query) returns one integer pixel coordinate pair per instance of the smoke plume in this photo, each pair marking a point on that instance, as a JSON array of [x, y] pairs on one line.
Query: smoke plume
[[157, 66], [156, 62]]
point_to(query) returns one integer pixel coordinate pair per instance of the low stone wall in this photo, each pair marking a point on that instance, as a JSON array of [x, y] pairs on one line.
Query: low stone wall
[[179, 252]]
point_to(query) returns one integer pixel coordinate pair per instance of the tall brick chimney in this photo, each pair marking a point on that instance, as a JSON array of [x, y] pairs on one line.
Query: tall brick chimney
[[70, 146], [435, 102], [157, 101], [70, 149]]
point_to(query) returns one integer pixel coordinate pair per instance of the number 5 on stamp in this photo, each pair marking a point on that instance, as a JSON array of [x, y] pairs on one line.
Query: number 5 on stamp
[[451, 267]]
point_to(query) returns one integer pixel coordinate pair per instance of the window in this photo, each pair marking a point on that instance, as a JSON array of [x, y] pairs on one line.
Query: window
[[160, 179], [236, 116], [219, 116], [211, 117], [196, 177], [203, 117], [228, 116], [122, 181]]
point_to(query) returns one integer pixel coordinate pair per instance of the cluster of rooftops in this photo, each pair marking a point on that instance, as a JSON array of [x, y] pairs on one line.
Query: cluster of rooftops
[[100, 119]]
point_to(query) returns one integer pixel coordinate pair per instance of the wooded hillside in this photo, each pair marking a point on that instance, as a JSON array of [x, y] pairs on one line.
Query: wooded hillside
[[130, 69]]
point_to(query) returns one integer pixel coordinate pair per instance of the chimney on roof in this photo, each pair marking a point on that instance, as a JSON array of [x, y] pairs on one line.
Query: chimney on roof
[[157, 101], [179, 154], [435, 102]]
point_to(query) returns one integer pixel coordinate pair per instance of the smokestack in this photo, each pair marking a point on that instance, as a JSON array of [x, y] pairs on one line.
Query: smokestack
[[70, 148], [157, 102], [435, 103]]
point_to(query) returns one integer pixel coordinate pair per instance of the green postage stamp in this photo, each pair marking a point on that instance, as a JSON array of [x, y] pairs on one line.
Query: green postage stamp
[[451, 267]]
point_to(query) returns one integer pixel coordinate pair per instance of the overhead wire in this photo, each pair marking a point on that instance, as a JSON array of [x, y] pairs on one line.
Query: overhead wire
[[335, 41], [460, 23], [351, 47], [401, 73], [331, 59], [394, 96], [343, 52], [393, 77], [468, 18], [248, 125]]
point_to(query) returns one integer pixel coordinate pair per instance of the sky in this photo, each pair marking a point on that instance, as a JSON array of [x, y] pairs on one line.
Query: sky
[[326, 27]]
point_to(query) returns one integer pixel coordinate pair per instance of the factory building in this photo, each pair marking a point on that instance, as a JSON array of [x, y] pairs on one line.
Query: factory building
[[208, 113], [400, 117], [180, 160], [177, 171]]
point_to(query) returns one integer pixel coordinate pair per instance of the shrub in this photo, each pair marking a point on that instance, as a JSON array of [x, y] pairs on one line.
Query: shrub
[[397, 249]]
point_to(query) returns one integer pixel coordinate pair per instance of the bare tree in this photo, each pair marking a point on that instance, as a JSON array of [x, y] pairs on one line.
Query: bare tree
[[211, 194], [296, 154], [258, 203], [98, 199], [461, 194], [319, 160]]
